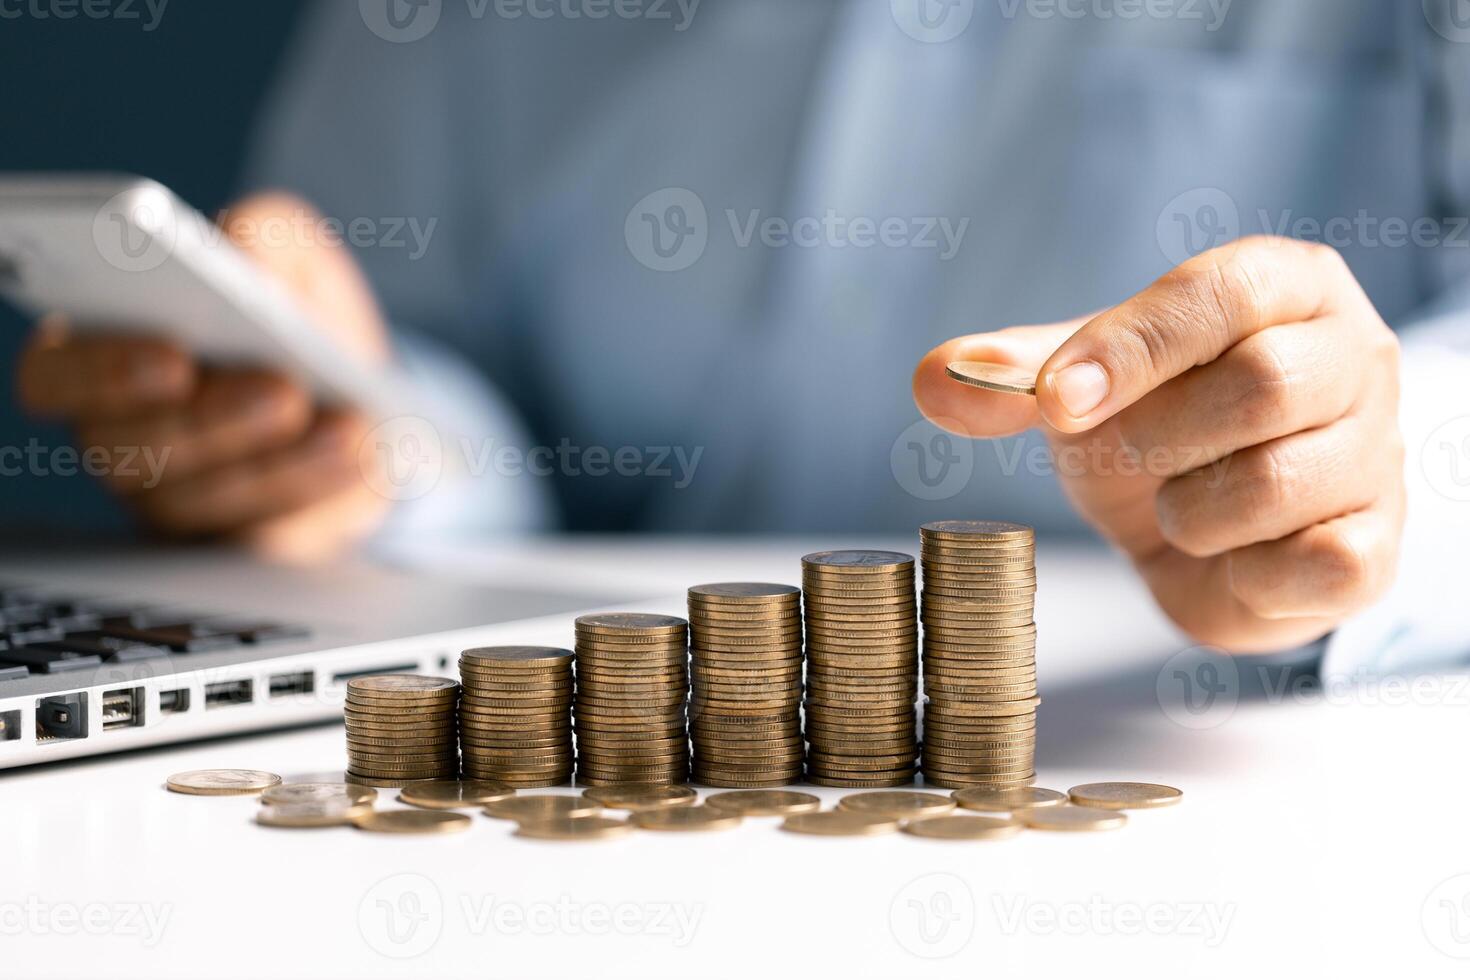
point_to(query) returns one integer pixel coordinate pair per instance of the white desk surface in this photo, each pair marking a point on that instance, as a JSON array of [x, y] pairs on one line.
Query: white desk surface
[[1319, 833]]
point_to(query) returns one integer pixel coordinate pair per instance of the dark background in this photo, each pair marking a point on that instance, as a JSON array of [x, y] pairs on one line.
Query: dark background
[[175, 103]]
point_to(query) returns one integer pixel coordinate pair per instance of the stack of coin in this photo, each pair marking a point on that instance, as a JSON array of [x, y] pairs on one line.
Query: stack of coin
[[862, 668], [632, 685], [745, 708], [401, 728], [979, 654], [515, 715]]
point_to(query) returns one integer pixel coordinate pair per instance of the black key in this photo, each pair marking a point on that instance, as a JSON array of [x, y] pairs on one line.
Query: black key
[[33, 635], [48, 661], [13, 673], [111, 648], [75, 622], [181, 639]]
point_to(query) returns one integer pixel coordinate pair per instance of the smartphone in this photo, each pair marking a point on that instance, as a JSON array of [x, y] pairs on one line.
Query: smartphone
[[117, 253]]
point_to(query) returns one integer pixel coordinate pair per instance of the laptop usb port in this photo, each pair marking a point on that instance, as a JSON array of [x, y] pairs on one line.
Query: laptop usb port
[[226, 693], [285, 685], [173, 702], [122, 708], [61, 718]]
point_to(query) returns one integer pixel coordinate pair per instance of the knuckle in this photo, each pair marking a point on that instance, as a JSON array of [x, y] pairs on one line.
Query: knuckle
[[1257, 484], [1266, 386], [1344, 573]]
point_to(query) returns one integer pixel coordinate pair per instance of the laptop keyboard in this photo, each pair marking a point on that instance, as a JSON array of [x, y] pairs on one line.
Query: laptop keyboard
[[52, 635]]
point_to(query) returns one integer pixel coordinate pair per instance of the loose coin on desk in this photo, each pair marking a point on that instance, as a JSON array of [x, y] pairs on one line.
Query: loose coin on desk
[[318, 793], [542, 807], [686, 818], [963, 827], [1022, 798], [455, 794], [840, 823], [575, 828], [638, 796], [1071, 818], [412, 822], [764, 803], [222, 782], [1005, 378], [1125, 796], [897, 803], [312, 813]]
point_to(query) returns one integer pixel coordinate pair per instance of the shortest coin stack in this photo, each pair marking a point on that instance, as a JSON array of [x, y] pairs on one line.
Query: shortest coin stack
[[401, 728], [515, 723], [745, 712], [632, 688]]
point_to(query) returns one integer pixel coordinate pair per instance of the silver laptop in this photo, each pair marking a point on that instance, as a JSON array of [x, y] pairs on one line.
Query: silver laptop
[[109, 651]]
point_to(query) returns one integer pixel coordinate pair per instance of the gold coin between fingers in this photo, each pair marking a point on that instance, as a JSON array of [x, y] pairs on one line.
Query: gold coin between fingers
[[221, 782], [963, 827], [1125, 796], [454, 794], [411, 822], [1071, 818]]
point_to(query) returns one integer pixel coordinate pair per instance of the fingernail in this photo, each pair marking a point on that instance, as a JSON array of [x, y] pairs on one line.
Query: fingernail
[[1081, 388]]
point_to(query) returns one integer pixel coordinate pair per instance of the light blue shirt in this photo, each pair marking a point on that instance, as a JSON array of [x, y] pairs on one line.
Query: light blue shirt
[[730, 229]]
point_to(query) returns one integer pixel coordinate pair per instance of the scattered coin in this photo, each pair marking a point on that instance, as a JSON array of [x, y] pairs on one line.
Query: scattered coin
[[1071, 818], [1125, 796], [764, 802], [574, 828], [454, 794], [1024, 798], [963, 827], [542, 807], [686, 818], [636, 797], [222, 782], [318, 793], [901, 804], [412, 822], [840, 823], [993, 377], [313, 813]]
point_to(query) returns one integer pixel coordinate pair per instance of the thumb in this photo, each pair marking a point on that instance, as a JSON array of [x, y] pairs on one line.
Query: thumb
[[975, 412]]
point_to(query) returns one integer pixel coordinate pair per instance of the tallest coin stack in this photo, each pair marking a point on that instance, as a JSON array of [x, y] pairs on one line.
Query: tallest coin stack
[[978, 598]]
